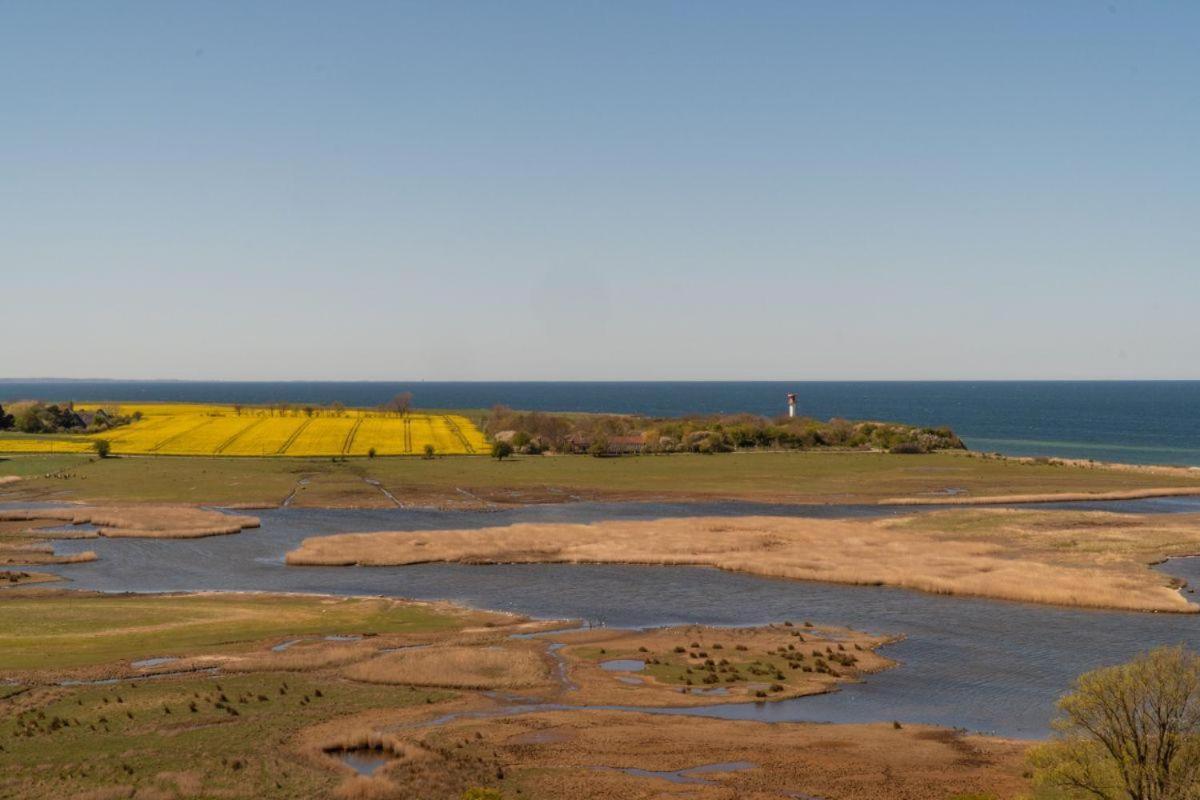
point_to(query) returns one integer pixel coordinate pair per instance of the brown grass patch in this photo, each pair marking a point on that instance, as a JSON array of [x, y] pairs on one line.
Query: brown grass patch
[[361, 787], [1040, 497], [150, 521], [581, 755], [508, 667], [300, 659], [21, 577], [991, 554]]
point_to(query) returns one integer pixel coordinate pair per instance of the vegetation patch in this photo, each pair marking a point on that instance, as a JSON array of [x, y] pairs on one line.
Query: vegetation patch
[[702, 665]]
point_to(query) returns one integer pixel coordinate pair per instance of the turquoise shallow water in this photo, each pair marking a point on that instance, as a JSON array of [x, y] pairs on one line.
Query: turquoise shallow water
[[1147, 422]]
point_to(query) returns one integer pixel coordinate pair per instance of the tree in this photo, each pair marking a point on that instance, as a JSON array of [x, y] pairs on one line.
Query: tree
[[1129, 732], [429, 451], [501, 450], [102, 447], [27, 418], [6, 420], [599, 446], [400, 404], [371, 452]]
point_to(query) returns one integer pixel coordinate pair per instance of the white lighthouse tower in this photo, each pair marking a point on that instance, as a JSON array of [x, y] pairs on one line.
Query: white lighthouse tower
[[791, 404]]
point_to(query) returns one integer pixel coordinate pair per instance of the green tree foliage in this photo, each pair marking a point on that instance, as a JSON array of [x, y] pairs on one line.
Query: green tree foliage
[[102, 447], [501, 450], [599, 446], [429, 451], [1129, 732], [6, 420], [533, 431]]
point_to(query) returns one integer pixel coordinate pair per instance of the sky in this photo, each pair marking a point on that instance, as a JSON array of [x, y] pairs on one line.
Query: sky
[[607, 191]]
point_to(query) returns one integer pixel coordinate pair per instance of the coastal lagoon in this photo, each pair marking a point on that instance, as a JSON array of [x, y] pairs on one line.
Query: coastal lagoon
[[988, 666]]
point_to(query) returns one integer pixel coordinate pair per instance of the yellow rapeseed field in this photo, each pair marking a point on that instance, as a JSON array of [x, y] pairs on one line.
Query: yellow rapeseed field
[[226, 430], [15, 445]]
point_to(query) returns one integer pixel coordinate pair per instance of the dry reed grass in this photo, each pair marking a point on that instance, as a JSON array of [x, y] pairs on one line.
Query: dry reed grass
[[148, 521], [510, 667], [984, 561], [1043, 497], [299, 659], [362, 787]]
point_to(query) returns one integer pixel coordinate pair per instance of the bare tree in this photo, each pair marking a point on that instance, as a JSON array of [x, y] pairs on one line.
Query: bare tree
[[400, 404], [1129, 732]]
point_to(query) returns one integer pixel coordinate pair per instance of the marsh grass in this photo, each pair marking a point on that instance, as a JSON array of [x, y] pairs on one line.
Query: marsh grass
[[151, 521], [978, 552], [455, 667], [69, 631]]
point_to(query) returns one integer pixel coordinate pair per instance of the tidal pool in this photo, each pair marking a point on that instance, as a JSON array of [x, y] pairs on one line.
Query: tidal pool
[[990, 666]]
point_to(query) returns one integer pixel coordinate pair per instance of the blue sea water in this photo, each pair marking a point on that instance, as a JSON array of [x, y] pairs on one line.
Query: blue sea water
[[1146, 422]]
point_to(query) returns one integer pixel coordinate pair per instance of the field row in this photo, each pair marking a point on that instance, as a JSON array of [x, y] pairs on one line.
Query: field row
[[214, 430]]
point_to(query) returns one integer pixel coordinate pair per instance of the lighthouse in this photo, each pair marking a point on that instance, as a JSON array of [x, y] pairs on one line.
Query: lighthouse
[[791, 404]]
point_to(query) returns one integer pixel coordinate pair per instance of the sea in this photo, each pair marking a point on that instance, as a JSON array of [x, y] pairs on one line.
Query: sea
[[1140, 422]]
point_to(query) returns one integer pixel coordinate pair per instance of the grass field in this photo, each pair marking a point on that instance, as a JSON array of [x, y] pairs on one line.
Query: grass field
[[784, 477], [210, 430], [62, 631]]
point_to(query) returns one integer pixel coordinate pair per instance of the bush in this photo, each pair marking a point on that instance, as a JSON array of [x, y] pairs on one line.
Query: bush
[[907, 448], [102, 447], [501, 450], [429, 451], [371, 453]]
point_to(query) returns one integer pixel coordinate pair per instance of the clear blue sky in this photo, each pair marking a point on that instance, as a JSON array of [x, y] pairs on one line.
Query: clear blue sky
[[600, 190]]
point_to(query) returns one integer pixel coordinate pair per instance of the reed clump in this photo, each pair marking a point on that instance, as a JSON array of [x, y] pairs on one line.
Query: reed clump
[[1089, 559]]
